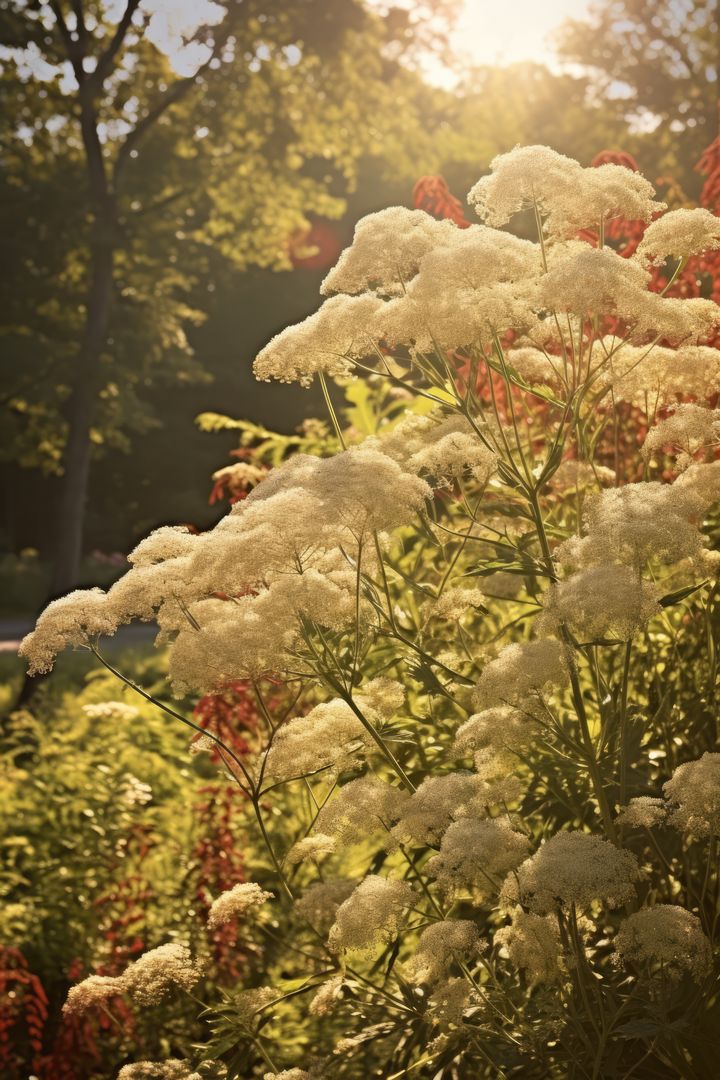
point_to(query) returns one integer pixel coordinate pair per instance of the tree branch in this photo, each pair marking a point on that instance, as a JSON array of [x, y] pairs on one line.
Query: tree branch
[[73, 48], [106, 58], [170, 97]]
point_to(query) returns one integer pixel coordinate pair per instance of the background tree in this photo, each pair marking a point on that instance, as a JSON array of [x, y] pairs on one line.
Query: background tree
[[654, 63], [127, 163]]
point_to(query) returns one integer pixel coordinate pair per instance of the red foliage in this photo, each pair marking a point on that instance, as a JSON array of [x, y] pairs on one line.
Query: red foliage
[[317, 248], [432, 194], [23, 1011], [232, 715]]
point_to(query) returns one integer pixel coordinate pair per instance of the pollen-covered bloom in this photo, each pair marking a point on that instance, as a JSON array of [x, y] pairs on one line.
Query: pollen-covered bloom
[[440, 944], [489, 285], [146, 981], [584, 280], [170, 1069], [573, 868], [248, 1004], [533, 945], [387, 250], [456, 602], [326, 342], [665, 939], [521, 673], [327, 996], [319, 903], [602, 601], [236, 902], [151, 978], [685, 431], [534, 366], [445, 448], [437, 802], [568, 197], [693, 791], [73, 620], [651, 376], [291, 1074], [316, 848], [329, 737], [634, 524], [381, 695], [643, 812], [475, 855], [679, 234], [374, 911], [448, 1002], [500, 727], [361, 809], [93, 991]]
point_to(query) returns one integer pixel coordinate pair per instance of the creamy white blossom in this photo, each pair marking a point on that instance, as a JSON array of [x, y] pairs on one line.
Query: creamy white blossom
[[680, 234], [521, 670], [387, 250], [665, 938], [602, 601], [442, 943], [476, 855], [533, 945], [236, 902], [374, 911], [573, 868], [326, 342], [693, 793], [568, 197]]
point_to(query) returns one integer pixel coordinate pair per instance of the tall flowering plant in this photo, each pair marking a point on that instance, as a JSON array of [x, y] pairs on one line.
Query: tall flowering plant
[[489, 791]]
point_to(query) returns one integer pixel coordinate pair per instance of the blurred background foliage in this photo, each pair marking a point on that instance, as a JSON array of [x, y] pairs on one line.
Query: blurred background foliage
[[236, 161]]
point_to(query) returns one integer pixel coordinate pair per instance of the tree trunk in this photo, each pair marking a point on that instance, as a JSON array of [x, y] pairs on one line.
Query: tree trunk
[[87, 381], [81, 413]]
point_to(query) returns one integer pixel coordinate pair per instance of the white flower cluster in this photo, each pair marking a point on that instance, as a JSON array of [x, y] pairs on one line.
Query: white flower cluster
[[388, 279], [476, 855], [693, 792], [146, 981], [111, 710], [373, 912], [568, 197], [532, 943], [521, 673], [680, 234], [602, 601], [329, 737], [236, 902], [170, 1069], [573, 868], [685, 431], [439, 800], [319, 904], [637, 523], [363, 808], [653, 377], [665, 938], [230, 599], [441, 944]]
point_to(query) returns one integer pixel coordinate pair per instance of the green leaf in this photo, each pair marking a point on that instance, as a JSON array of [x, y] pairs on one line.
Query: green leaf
[[680, 594]]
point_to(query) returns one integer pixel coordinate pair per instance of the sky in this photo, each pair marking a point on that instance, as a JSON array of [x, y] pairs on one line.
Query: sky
[[507, 31], [487, 31]]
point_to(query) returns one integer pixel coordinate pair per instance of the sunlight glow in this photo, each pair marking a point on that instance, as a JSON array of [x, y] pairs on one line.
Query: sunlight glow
[[492, 33]]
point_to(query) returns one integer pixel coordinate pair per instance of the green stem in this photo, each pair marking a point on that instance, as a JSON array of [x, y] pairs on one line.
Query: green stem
[[331, 410]]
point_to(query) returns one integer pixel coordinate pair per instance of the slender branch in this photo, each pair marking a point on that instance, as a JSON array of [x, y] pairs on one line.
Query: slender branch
[[106, 59]]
